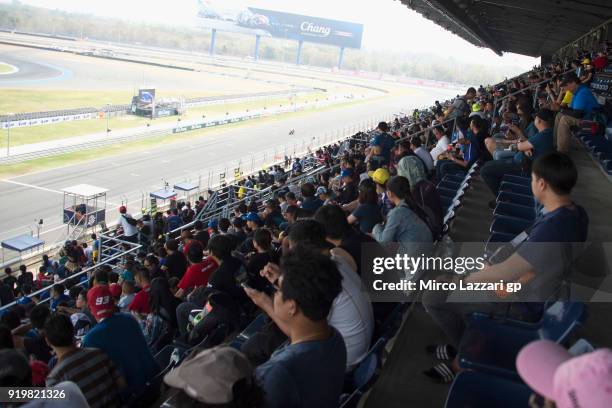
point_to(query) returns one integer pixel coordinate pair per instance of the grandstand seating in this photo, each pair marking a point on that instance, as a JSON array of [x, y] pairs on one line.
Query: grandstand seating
[[475, 389], [489, 346]]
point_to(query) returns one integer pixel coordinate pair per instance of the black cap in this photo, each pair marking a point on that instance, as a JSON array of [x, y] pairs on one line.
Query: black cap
[[570, 77]]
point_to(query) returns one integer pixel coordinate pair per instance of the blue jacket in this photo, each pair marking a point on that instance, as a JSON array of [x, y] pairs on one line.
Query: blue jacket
[[404, 227], [584, 100]]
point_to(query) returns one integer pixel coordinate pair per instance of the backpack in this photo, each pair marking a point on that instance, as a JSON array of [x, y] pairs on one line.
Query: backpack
[[130, 220]]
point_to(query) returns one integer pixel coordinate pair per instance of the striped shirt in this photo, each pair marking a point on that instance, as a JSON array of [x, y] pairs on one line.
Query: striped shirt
[[93, 372]]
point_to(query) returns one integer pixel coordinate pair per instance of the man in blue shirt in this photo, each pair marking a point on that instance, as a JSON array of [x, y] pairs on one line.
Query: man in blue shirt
[[382, 144], [119, 335], [542, 142], [542, 259], [581, 108], [455, 165], [309, 371], [58, 296]]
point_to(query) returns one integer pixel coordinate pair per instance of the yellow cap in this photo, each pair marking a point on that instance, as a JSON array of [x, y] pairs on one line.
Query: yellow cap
[[586, 61], [380, 176], [476, 107]]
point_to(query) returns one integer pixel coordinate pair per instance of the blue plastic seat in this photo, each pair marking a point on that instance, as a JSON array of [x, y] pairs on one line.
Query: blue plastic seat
[[454, 178], [392, 323], [446, 202], [365, 375], [509, 225], [253, 327], [451, 185], [478, 390], [520, 199], [515, 211], [492, 346], [447, 192], [515, 188], [524, 181]]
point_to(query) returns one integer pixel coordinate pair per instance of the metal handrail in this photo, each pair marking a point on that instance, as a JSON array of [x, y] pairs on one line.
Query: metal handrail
[[135, 247], [529, 87]]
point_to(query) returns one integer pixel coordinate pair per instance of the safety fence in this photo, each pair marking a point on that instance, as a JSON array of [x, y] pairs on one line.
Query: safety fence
[[112, 251], [161, 130]]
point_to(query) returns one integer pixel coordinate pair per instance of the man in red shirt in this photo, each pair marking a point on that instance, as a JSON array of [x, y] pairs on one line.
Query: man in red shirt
[[198, 272], [140, 304]]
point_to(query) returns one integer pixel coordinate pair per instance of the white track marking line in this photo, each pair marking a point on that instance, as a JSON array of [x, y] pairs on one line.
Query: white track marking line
[[33, 186]]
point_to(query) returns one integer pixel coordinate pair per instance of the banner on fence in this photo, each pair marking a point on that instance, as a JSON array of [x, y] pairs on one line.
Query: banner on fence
[[47, 121]]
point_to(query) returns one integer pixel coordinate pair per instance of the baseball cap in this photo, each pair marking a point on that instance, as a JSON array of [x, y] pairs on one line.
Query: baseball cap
[[100, 301], [115, 289], [476, 107], [252, 216], [122, 209], [209, 376], [346, 173], [586, 61], [381, 175], [551, 371], [213, 223], [321, 190]]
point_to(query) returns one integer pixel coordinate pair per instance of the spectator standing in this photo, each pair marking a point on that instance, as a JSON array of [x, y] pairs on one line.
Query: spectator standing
[[9, 279], [25, 280], [128, 224]]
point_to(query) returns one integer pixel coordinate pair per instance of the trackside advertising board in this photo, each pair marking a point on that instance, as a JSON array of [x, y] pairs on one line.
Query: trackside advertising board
[[232, 15]]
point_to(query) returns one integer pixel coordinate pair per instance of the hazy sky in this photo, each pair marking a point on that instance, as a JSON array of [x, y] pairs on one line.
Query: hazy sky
[[387, 24]]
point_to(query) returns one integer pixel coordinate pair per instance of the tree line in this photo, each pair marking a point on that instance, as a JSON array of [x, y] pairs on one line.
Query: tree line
[[20, 17]]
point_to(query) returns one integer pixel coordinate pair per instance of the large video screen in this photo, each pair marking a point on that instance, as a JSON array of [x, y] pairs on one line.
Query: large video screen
[[146, 98], [234, 16]]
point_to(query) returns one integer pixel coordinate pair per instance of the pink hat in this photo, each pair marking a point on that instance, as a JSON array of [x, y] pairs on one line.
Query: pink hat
[[551, 371]]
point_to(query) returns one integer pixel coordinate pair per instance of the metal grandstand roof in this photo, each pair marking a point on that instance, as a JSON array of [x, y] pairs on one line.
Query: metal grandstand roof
[[529, 27]]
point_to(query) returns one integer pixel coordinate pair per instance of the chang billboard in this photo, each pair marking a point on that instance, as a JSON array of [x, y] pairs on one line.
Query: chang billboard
[[230, 16]]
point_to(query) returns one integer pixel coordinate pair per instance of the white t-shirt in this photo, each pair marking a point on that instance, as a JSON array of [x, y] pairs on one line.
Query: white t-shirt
[[128, 230], [439, 148], [351, 314]]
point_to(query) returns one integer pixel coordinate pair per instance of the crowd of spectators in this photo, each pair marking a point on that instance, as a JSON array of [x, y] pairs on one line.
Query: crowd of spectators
[[296, 257]]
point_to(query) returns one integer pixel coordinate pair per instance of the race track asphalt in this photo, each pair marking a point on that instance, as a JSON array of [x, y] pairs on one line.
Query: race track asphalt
[[27, 198], [28, 70]]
